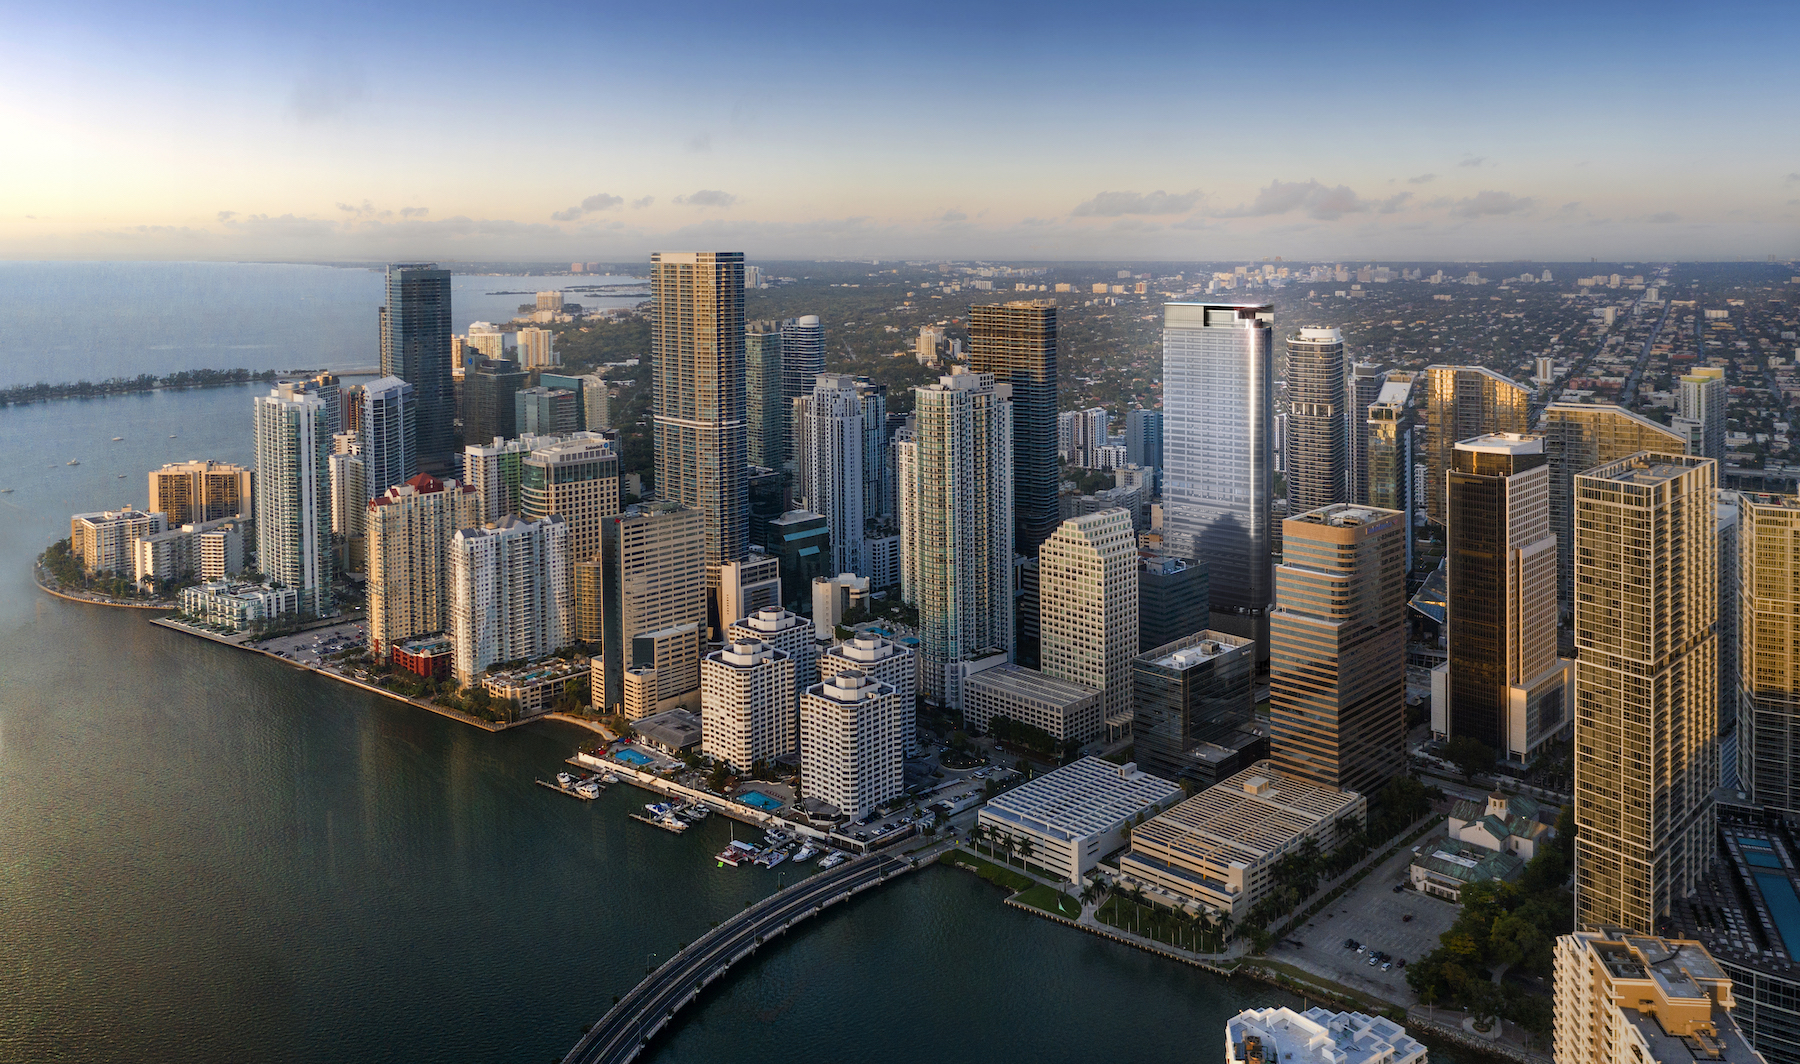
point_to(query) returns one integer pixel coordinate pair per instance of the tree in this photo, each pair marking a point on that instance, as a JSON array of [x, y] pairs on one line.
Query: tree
[[1025, 850], [1470, 755]]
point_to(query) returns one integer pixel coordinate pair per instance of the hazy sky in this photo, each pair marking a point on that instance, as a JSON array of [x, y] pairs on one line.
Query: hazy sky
[[1052, 130]]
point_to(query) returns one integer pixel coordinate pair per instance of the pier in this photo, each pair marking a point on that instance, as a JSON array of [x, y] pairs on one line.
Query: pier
[[622, 1034]]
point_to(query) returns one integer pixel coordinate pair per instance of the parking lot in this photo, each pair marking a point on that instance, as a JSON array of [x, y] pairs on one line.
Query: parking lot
[[307, 647], [1375, 916]]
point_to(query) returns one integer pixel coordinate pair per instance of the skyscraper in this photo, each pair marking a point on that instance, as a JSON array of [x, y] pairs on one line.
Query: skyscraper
[[1337, 666], [697, 344], [415, 347], [1646, 686], [388, 434], [1144, 438], [293, 493], [802, 356], [873, 398], [1462, 402], [884, 660], [1578, 437], [652, 579], [1506, 686], [1016, 343], [747, 704], [1390, 464], [511, 594], [1366, 382], [577, 477], [1218, 454], [1190, 694], [788, 632], [546, 411], [490, 411], [1702, 400], [1173, 600], [1768, 680], [410, 527], [956, 526], [192, 493], [1318, 425], [852, 753], [495, 470], [765, 402], [831, 467], [1088, 606]]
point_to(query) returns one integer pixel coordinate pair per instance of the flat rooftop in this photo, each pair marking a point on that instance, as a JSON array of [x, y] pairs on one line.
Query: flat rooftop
[[1087, 797], [1318, 1036], [1646, 469], [1344, 515], [1020, 682]]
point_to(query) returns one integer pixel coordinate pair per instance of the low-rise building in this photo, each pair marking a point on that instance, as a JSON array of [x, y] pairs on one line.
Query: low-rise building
[[210, 551], [238, 606], [1068, 711], [1507, 823], [1078, 814], [535, 687], [1218, 847], [673, 731], [1317, 1036], [1444, 867], [430, 656], [1632, 999]]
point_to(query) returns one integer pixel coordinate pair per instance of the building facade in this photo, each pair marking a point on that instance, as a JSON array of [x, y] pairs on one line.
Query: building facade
[[1631, 999], [577, 478], [1088, 605], [1363, 391], [1317, 449], [1192, 699], [293, 494], [1701, 401], [651, 574], [1067, 712], [410, 528], [852, 750], [765, 404], [415, 347], [511, 594], [747, 704], [106, 541], [387, 436], [1768, 678], [1016, 343], [1462, 402], [191, 493], [889, 662], [829, 439]]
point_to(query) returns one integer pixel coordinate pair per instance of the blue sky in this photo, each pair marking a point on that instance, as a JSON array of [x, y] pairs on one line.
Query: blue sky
[[1156, 131]]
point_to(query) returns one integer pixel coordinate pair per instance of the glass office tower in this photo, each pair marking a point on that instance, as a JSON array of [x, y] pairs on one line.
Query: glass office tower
[[415, 347], [1016, 342]]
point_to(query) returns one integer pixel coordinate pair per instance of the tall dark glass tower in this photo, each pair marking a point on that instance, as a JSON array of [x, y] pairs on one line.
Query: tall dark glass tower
[[1016, 342], [415, 347], [1318, 421]]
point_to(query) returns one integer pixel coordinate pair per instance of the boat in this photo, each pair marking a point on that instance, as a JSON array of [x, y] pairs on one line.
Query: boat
[[672, 823], [609, 779], [564, 778], [71, 462], [171, 435], [806, 852], [121, 476], [118, 439], [833, 859], [589, 789], [698, 812], [730, 855], [657, 808], [775, 858], [742, 847], [6, 491]]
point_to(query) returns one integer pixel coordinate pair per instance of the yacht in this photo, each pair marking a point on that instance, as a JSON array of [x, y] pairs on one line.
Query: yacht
[[564, 778], [657, 809], [806, 853], [609, 779], [71, 462], [833, 859], [588, 789]]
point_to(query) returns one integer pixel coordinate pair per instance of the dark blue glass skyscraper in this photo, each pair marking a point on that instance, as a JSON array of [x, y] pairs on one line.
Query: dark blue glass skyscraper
[[415, 347]]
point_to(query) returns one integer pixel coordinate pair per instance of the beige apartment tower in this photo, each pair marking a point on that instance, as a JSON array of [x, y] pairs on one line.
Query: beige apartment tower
[[1638, 999], [747, 703], [1578, 437], [652, 586], [1462, 402], [1646, 707], [1768, 680], [1337, 648], [578, 478], [1088, 605], [192, 493], [410, 527]]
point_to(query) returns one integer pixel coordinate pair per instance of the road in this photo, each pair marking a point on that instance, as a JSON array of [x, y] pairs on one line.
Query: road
[[622, 1034]]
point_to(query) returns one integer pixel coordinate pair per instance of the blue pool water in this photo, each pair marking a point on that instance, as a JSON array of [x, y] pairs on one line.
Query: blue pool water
[[1753, 844], [632, 757], [759, 800], [1762, 858], [1784, 906]]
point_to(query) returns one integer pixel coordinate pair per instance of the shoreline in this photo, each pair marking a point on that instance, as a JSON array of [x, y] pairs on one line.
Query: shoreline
[[37, 575]]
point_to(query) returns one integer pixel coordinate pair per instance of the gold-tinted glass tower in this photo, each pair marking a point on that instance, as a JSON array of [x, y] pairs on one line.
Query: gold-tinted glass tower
[[1462, 402], [1337, 648], [1646, 686], [1768, 680]]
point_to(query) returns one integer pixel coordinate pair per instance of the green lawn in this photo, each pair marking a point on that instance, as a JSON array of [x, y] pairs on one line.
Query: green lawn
[[987, 870], [1050, 900], [1156, 924]]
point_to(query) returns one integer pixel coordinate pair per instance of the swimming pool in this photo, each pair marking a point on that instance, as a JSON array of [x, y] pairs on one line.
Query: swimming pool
[[1762, 858], [632, 757], [759, 800], [1784, 906]]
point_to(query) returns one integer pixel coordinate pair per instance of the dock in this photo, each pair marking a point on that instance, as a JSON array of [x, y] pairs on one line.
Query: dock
[[570, 791], [678, 827]]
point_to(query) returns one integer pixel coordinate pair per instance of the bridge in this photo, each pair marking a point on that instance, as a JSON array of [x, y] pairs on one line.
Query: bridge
[[639, 1015]]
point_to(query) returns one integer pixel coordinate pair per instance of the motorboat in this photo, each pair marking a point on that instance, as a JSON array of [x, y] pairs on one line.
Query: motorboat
[[775, 858], [71, 462], [118, 439], [564, 778], [609, 779], [588, 789], [806, 852], [833, 859], [657, 809]]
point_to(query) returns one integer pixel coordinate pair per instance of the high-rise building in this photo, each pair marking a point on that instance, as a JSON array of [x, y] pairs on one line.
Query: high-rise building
[[1337, 666], [1173, 600], [1624, 998], [546, 411], [511, 594], [349, 502], [1366, 382], [490, 411], [577, 477], [1316, 451], [802, 357], [1218, 454], [106, 541], [415, 347], [801, 540], [1462, 402], [1646, 686], [873, 398], [697, 347], [191, 493], [293, 494], [1702, 400], [887, 661], [788, 632], [1768, 679], [652, 579], [410, 528], [747, 709], [387, 434], [751, 583], [1088, 606], [1578, 437], [833, 597], [329, 389], [956, 525], [765, 402], [1016, 343], [830, 434], [929, 343], [1504, 683], [495, 471], [1389, 428], [537, 349], [1144, 438], [1080, 434], [1193, 703], [852, 751]]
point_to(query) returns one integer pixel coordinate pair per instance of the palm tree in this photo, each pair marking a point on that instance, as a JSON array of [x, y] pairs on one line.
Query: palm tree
[[1025, 849], [976, 834], [1006, 847]]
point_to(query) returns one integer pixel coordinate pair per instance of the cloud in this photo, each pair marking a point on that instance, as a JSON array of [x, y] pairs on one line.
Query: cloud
[[1422, 179], [325, 90], [1569, 206], [1392, 203], [1488, 202], [1317, 200], [1115, 204], [599, 201], [1475, 161], [414, 212], [953, 215], [1793, 178], [708, 197], [224, 216], [700, 142], [640, 204], [1664, 216]]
